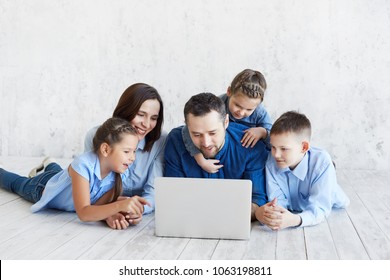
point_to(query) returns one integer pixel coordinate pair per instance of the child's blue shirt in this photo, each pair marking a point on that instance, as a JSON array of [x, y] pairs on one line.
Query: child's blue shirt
[[146, 167], [58, 190], [259, 117], [311, 188]]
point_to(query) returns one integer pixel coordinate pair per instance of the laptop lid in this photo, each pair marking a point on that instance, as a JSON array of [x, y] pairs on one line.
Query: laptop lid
[[203, 207]]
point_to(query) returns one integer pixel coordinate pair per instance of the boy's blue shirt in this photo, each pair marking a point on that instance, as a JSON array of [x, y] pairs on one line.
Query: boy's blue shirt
[[311, 188], [238, 162]]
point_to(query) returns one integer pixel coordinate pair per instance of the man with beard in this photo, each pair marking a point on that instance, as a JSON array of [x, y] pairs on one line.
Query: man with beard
[[210, 131]]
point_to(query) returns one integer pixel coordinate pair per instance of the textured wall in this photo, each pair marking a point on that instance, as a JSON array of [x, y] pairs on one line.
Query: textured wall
[[64, 64]]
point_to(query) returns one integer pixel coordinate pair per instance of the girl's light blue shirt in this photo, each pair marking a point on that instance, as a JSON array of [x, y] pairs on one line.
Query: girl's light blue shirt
[[58, 190], [146, 167]]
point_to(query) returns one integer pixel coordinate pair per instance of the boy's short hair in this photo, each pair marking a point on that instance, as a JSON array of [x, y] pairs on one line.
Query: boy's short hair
[[202, 104], [250, 82], [294, 122]]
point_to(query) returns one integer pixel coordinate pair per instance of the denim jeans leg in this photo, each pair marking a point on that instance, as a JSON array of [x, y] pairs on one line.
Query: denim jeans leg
[[53, 167], [29, 188]]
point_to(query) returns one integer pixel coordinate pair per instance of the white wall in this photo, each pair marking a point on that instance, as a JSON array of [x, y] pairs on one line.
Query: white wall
[[64, 64]]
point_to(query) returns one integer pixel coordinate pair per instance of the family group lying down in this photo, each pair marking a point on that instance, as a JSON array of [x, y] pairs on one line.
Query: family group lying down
[[228, 136]]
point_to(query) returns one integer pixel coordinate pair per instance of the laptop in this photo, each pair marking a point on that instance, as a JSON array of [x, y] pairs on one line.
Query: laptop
[[203, 207]]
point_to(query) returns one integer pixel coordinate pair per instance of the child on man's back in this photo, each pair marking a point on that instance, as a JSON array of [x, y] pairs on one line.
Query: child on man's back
[[243, 102]]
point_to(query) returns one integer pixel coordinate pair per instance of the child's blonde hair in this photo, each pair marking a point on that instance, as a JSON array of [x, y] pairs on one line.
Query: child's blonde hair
[[250, 82], [111, 132]]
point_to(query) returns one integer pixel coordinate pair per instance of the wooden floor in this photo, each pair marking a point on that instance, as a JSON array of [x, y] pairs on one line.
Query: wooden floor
[[362, 231]]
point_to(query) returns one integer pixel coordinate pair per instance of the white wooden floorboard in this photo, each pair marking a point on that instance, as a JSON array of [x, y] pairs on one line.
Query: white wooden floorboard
[[230, 250], [262, 244], [49, 242], [18, 226], [290, 244], [7, 197], [14, 210], [365, 183], [377, 209], [348, 243], [80, 243], [372, 237], [17, 246], [359, 232], [319, 242], [140, 246], [114, 241], [199, 249], [168, 248], [357, 180], [346, 240], [379, 180]]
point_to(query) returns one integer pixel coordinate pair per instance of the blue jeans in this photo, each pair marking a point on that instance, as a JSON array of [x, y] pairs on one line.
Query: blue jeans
[[29, 188]]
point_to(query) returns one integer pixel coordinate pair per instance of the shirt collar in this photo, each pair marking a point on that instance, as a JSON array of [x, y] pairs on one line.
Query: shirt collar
[[300, 170], [141, 144], [96, 169]]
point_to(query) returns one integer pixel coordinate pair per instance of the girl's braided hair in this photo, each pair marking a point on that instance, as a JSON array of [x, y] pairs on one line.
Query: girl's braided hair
[[250, 82], [111, 132]]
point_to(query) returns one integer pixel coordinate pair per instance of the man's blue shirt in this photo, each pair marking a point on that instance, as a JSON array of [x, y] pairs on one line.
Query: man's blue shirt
[[238, 162]]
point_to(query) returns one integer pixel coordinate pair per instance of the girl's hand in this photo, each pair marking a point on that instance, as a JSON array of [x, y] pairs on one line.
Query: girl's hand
[[252, 136], [133, 205], [117, 221], [208, 165], [211, 165]]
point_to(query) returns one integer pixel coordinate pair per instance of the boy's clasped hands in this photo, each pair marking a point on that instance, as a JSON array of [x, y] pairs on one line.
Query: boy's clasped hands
[[277, 217]]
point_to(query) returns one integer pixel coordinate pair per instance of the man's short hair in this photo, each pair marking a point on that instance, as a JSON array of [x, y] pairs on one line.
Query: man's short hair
[[294, 122], [204, 103]]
